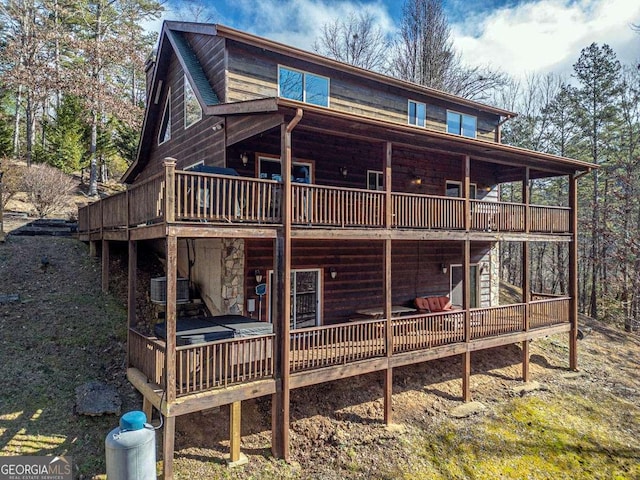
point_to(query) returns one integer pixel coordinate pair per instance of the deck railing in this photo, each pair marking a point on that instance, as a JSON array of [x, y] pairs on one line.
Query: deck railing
[[334, 206], [418, 332], [493, 321], [203, 197], [497, 216], [427, 211], [147, 355], [146, 200], [223, 363], [549, 219], [551, 311], [223, 198], [114, 211], [324, 346]]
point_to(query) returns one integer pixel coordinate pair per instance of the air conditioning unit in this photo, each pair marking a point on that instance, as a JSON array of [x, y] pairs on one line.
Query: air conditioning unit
[[159, 290]]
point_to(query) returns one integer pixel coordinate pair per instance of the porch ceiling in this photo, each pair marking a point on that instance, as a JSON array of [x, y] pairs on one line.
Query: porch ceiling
[[331, 122]]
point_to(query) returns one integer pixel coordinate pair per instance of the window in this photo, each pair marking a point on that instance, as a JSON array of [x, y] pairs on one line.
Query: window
[[417, 113], [303, 86], [192, 108], [454, 189], [269, 168], [165, 125], [461, 124], [375, 180]]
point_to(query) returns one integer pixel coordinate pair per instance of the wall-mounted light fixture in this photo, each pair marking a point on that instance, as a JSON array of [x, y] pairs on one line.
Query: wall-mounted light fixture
[[484, 266], [487, 188], [443, 268], [258, 275], [245, 158], [344, 171], [333, 272], [416, 180], [217, 127]]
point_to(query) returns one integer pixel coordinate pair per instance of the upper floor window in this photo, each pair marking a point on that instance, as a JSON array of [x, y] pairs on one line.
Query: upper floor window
[[165, 125], [375, 180], [303, 86], [461, 124], [192, 108], [417, 113]]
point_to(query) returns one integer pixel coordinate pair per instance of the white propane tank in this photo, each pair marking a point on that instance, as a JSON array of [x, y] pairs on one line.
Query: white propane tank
[[131, 449]]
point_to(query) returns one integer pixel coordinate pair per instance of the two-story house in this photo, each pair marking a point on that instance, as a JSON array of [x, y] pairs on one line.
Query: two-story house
[[353, 215]]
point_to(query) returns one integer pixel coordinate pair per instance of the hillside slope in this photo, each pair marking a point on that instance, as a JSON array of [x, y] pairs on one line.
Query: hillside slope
[[64, 332]]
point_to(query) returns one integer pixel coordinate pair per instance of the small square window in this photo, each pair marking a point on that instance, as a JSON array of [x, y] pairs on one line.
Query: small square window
[[375, 180]]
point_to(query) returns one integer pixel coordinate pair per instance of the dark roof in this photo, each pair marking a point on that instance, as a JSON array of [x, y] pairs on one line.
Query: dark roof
[[193, 69]]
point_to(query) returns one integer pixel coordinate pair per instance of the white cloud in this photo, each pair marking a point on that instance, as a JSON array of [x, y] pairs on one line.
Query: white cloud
[[299, 22], [548, 35]]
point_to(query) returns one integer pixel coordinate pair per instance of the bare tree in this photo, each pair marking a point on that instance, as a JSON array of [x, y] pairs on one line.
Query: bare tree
[[424, 54], [355, 40]]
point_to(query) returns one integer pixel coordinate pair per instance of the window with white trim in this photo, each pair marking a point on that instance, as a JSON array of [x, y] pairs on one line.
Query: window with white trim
[[454, 189], [303, 86], [375, 180], [269, 168], [192, 108], [461, 124], [417, 113], [165, 126]]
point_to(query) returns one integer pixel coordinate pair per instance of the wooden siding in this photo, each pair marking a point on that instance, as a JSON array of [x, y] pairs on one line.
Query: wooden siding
[[253, 74], [360, 272], [197, 143]]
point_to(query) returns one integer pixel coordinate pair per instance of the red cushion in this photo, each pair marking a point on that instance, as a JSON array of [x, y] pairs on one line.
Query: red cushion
[[434, 304], [421, 303]]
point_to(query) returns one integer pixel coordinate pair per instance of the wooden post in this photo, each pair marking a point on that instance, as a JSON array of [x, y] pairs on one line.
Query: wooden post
[[466, 173], [526, 299], [388, 376], [93, 248], [131, 292], [234, 432], [170, 190], [280, 409], [526, 199], [573, 273], [170, 318], [466, 304], [147, 408], [105, 265], [168, 444]]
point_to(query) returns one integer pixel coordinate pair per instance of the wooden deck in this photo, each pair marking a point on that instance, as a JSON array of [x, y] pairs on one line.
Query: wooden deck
[[185, 197], [222, 364]]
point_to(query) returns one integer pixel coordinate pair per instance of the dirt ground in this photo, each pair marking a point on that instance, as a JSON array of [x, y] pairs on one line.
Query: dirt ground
[[64, 331]]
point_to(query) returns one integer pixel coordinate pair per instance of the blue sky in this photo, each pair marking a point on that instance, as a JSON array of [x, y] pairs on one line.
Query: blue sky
[[517, 36]]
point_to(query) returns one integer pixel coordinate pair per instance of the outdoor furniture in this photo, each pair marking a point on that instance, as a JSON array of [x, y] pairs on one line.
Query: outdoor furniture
[[378, 312]]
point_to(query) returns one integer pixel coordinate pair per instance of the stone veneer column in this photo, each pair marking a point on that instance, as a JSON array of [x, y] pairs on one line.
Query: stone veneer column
[[494, 269], [233, 275]]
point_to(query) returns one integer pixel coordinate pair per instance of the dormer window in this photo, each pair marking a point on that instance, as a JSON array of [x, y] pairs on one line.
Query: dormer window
[[165, 125], [417, 113], [303, 86], [192, 108], [461, 124]]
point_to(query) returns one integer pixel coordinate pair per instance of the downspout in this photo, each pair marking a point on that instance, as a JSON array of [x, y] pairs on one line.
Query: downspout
[[295, 120]]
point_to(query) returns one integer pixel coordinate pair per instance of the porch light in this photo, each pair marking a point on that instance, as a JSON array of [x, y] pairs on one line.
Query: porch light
[[333, 272], [443, 268], [258, 275], [344, 171], [417, 180], [245, 158]]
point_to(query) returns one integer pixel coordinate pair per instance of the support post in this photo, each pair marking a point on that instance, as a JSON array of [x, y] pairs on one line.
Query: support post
[[131, 292], [388, 373], [170, 189], [93, 248], [526, 199], [280, 407], [168, 446], [235, 456], [526, 299], [466, 304], [466, 182], [573, 273], [170, 318], [105, 265]]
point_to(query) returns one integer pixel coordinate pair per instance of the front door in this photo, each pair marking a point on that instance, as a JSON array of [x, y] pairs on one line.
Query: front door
[[456, 285]]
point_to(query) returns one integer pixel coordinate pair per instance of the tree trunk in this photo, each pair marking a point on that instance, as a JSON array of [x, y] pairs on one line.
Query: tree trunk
[[93, 163], [16, 123]]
